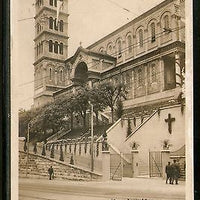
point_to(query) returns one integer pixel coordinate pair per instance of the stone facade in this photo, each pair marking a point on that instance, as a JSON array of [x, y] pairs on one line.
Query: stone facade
[[147, 55]]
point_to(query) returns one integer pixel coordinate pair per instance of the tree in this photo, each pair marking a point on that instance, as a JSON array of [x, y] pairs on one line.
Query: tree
[[43, 150], [61, 153], [80, 104], [48, 121], [97, 100], [24, 118], [119, 110], [52, 152], [111, 94]]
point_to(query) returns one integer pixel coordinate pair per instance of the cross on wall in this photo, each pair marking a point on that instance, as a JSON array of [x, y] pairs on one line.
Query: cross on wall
[[169, 120]]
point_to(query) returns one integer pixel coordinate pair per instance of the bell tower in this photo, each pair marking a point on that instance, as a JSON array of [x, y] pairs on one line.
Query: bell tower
[[51, 49]]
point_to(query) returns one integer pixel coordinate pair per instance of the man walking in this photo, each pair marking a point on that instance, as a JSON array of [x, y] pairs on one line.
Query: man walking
[[51, 172], [168, 171], [175, 172]]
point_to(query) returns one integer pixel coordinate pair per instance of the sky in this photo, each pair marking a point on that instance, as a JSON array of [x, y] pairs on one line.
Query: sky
[[89, 20]]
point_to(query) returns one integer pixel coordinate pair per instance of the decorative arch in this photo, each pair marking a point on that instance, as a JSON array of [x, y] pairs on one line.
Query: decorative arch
[[61, 25], [109, 48], [119, 47], [101, 50], [80, 74], [50, 22], [140, 36], [129, 42], [152, 29], [162, 17]]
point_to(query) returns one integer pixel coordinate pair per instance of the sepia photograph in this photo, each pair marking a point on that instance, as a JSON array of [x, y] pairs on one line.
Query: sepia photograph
[[101, 98]]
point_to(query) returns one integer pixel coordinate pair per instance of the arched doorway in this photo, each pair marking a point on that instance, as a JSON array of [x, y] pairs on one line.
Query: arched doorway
[[81, 73]]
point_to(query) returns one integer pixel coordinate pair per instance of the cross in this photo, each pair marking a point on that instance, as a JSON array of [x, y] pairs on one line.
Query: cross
[[80, 44], [169, 120]]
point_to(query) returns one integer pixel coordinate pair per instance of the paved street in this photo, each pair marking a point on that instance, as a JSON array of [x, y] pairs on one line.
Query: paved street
[[128, 189]]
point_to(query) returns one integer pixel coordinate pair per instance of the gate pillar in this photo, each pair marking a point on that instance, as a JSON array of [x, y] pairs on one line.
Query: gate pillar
[[165, 159], [135, 162], [106, 165]]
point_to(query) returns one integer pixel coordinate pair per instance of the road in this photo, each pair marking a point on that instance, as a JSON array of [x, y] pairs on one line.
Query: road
[[128, 189]]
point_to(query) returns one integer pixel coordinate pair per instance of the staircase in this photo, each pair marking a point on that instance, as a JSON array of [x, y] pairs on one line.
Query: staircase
[[38, 168]]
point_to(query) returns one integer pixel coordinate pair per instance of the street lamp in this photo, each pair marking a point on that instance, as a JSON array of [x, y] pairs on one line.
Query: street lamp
[[92, 138]]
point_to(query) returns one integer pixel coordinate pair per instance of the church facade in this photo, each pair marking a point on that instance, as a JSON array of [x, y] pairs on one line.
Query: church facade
[[147, 55]]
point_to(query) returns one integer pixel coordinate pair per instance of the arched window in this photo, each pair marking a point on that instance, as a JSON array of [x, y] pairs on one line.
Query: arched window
[[55, 3], [166, 22], [56, 47], [51, 23], [50, 46], [119, 44], [139, 77], [50, 74], [101, 50], [109, 49], [61, 25], [153, 73], [51, 2], [141, 38], [55, 24], [41, 46], [153, 32], [61, 75], [61, 48], [129, 44]]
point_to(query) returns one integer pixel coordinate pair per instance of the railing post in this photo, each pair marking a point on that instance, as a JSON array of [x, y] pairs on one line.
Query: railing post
[[135, 163], [106, 165]]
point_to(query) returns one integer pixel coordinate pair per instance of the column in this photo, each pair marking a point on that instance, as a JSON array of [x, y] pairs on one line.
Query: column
[[165, 159], [178, 69], [135, 162], [106, 165]]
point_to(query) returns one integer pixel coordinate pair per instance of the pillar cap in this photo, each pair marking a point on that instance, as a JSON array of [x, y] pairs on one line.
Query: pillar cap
[[134, 151], [165, 151], [106, 152]]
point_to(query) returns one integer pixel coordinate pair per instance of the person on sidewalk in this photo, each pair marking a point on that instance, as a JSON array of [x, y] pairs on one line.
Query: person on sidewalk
[[176, 172], [168, 171], [51, 173]]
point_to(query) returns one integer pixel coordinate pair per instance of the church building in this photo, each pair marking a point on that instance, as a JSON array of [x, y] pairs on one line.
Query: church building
[[146, 55]]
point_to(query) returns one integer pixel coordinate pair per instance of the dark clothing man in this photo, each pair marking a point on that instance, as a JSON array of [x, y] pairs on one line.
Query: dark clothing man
[[50, 171], [175, 172], [168, 171]]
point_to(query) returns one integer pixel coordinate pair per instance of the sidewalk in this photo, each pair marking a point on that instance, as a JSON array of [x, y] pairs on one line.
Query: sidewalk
[[154, 188]]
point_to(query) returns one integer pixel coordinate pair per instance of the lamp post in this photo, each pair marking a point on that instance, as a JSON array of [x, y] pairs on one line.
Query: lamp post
[[27, 148], [92, 138]]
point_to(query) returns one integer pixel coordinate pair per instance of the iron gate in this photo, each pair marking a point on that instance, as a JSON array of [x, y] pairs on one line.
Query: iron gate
[[127, 165], [116, 167], [155, 164]]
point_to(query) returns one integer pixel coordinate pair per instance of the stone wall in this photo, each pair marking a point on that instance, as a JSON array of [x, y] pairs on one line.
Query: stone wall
[[38, 168]]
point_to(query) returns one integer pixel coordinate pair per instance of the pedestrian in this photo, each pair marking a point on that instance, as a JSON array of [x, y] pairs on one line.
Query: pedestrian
[[168, 171], [51, 173], [175, 172]]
